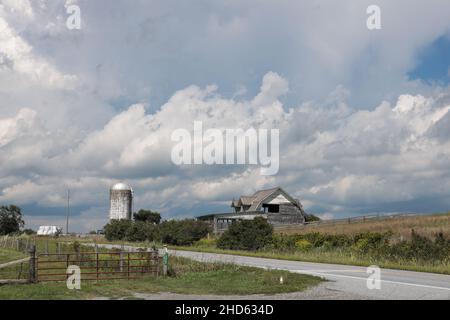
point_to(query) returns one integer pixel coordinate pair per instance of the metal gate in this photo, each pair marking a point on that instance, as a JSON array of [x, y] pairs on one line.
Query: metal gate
[[98, 265]]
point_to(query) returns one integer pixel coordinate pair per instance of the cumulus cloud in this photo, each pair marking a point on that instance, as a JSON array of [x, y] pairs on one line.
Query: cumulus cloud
[[352, 160]]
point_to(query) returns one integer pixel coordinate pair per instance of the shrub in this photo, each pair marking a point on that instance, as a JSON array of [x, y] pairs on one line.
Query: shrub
[[140, 231], [374, 243], [117, 229], [29, 232], [303, 245], [311, 218], [147, 216], [422, 249], [206, 242], [176, 232], [281, 242], [362, 246], [315, 238], [76, 247], [247, 235], [182, 232]]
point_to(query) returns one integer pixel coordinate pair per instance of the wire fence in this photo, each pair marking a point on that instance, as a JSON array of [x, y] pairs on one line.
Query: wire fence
[[21, 244]]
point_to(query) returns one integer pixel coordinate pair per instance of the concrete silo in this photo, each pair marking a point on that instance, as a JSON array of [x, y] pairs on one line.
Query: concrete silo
[[121, 201]]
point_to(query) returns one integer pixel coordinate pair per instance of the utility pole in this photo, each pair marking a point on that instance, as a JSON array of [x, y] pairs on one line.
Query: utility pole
[[68, 211]]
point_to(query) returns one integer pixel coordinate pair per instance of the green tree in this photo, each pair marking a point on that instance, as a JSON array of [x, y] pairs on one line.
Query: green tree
[[29, 232], [141, 231], [247, 235], [147, 216], [117, 229], [182, 232], [10, 219]]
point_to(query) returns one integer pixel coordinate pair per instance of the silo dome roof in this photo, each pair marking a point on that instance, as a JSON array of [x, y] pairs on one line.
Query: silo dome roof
[[121, 186]]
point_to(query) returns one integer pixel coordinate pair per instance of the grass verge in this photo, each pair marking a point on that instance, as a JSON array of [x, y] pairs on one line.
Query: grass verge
[[322, 256]]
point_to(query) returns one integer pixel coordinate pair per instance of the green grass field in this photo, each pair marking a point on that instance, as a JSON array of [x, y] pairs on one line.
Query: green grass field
[[7, 255]]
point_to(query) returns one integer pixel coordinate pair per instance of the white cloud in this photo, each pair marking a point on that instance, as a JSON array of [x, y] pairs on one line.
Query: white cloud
[[23, 61], [348, 160]]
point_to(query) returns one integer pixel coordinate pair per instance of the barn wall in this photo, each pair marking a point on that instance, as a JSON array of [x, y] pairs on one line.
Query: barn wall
[[288, 214]]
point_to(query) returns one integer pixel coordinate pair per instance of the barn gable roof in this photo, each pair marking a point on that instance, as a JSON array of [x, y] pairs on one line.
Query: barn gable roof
[[255, 202]]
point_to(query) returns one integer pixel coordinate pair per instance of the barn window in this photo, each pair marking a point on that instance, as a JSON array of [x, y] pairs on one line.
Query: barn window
[[272, 208]]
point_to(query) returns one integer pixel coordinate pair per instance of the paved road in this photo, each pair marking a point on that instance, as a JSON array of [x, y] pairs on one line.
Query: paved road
[[344, 281]]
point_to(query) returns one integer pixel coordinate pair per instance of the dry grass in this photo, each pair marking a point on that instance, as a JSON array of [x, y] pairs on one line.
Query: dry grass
[[401, 227]]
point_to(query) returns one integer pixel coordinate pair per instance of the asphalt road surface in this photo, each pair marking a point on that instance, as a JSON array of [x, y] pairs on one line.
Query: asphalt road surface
[[344, 281]]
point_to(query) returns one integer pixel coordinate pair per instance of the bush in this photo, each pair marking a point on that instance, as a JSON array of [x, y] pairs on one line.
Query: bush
[[206, 242], [140, 231], [147, 216], [315, 238], [175, 232], [29, 232], [117, 229], [374, 243], [282, 242], [422, 249], [182, 232], [247, 235], [310, 218], [303, 245]]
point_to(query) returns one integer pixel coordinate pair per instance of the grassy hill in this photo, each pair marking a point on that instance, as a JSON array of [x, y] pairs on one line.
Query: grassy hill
[[401, 226]]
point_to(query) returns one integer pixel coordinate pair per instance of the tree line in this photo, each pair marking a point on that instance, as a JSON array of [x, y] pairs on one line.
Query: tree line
[[147, 226]]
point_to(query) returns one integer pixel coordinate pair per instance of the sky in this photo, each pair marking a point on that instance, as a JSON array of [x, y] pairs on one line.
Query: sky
[[363, 114]]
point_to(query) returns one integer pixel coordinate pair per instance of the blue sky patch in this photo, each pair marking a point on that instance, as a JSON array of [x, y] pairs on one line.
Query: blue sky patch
[[434, 62]]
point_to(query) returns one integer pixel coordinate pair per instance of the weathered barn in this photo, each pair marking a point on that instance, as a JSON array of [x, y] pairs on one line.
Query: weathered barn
[[275, 205]]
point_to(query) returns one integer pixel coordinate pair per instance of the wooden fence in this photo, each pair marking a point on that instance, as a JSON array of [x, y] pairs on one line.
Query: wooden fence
[[359, 219], [111, 265], [94, 264]]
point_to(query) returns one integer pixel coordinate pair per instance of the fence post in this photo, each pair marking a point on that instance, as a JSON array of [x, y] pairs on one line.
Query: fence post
[[165, 261], [32, 269], [128, 266], [121, 261], [96, 254], [46, 246], [19, 274], [67, 265]]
